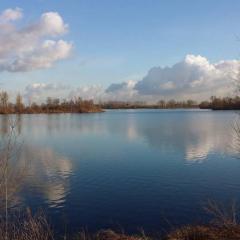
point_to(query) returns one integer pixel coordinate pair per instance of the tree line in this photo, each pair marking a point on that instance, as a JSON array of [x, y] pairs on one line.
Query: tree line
[[162, 104], [78, 105], [215, 103], [51, 105], [224, 103]]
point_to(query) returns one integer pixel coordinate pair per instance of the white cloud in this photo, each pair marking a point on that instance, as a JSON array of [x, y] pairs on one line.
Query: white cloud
[[94, 92], [38, 92], [11, 15], [194, 76], [125, 86], [51, 23], [43, 57], [122, 91], [30, 47]]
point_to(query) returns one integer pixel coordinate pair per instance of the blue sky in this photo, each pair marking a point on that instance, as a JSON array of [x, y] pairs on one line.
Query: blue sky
[[117, 41]]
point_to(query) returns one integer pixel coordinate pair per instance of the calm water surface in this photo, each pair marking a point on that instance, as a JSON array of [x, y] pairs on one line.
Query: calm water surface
[[129, 169]]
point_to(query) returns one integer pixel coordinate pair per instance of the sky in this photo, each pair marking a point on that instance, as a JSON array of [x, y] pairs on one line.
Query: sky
[[119, 50]]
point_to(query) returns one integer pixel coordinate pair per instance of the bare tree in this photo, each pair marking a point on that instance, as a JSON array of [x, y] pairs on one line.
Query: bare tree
[[4, 101], [19, 106], [12, 173]]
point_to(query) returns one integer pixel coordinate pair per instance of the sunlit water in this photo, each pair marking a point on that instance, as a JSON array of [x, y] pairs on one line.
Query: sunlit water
[[133, 169]]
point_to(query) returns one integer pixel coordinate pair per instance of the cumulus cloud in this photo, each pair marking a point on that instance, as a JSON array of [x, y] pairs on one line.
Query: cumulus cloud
[[122, 91], [42, 57], [11, 15], [125, 86], [38, 92], [193, 76], [115, 92], [94, 92], [33, 46]]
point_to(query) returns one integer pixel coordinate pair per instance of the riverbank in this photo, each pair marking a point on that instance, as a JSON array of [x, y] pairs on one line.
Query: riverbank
[[184, 233], [52, 105], [38, 229], [26, 226], [95, 110]]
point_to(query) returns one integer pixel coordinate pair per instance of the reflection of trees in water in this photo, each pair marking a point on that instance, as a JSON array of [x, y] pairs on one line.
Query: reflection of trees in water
[[19, 123], [42, 124], [195, 133], [5, 123], [8, 120]]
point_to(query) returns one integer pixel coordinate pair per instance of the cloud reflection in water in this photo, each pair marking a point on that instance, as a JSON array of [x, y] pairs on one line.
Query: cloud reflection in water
[[49, 173]]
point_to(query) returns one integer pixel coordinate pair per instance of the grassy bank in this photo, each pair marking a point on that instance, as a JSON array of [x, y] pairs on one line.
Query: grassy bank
[[184, 233], [223, 226], [37, 228]]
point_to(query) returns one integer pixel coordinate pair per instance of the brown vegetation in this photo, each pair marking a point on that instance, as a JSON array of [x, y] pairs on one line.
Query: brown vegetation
[[224, 225], [215, 103], [200, 232], [78, 105], [52, 105], [26, 227], [107, 235], [226, 103], [205, 233], [162, 104]]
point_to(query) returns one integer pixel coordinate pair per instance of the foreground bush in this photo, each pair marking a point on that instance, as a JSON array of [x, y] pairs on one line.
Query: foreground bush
[[36, 227], [205, 233], [25, 227], [184, 233]]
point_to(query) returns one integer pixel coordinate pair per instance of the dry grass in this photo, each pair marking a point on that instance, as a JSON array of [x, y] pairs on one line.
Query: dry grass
[[222, 215], [36, 227], [224, 225], [205, 233], [185, 233], [26, 227], [106, 235]]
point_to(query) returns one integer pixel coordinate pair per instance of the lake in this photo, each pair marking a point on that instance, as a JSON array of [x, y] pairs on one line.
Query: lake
[[127, 169]]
